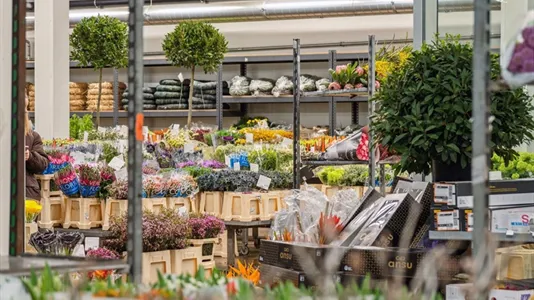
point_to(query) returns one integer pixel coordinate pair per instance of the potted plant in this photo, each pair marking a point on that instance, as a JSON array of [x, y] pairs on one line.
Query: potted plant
[[425, 108], [32, 210], [100, 42], [205, 230], [192, 45]]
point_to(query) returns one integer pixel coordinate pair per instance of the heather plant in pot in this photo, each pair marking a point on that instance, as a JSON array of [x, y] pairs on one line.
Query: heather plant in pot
[[204, 232], [425, 108]]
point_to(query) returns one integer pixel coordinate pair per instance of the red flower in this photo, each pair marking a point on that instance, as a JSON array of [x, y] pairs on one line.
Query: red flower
[[231, 289]]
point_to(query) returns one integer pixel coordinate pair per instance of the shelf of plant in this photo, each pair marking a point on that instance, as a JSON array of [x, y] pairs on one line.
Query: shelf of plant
[[250, 59], [287, 99], [157, 113], [97, 232], [334, 162], [467, 236], [337, 93], [25, 265]]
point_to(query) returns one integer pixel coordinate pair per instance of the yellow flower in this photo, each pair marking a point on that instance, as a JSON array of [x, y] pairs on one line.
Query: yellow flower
[[33, 208]]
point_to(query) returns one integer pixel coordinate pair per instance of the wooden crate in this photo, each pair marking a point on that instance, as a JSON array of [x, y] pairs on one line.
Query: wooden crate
[[154, 262], [177, 203], [243, 207], [283, 195], [186, 261], [53, 204], [84, 213], [211, 203], [205, 243], [329, 190], [114, 208], [515, 263], [271, 203], [29, 228], [154, 205], [208, 268]]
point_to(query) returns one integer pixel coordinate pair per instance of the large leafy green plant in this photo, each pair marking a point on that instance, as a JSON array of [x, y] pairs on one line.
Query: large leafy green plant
[[424, 109], [195, 44], [100, 42]]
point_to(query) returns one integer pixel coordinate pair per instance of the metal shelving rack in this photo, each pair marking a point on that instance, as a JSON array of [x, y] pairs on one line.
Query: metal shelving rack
[[332, 57], [333, 95]]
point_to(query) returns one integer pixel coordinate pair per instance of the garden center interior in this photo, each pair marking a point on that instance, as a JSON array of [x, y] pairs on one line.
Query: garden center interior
[[191, 149]]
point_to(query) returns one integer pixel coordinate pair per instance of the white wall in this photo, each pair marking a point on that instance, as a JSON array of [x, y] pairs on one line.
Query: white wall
[[282, 32]]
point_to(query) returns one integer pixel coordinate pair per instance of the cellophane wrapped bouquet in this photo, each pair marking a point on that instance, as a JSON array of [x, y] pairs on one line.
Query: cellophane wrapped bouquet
[[89, 180], [518, 58], [154, 186], [118, 190], [180, 185], [67, 180], [55, 243], [58, 158]]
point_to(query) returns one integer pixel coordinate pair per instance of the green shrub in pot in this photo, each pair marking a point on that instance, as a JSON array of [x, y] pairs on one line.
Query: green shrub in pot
[[424, 110]]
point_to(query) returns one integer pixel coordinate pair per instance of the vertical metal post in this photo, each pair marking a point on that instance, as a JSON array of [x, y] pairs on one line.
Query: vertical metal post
[[219, 98], [296, 113], [425, 21], [135, 124], [243, 107], [18, 118], [371, 89], [355, 111], [382, 179], [481, 127], [116, 97], [332, 101]]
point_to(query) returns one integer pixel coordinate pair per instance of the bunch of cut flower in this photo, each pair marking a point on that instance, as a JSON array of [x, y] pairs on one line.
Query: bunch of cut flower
[[107, 177], [55, 243], [32, 209], [58, 158], [104, 254], [89, 176], [180, 185], [118, 190], [67, 180], [204, 226], [348, 77], [264, 135], [154, 186]]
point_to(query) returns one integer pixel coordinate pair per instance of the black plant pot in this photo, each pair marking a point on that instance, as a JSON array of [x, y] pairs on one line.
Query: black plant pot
[[452, 172]]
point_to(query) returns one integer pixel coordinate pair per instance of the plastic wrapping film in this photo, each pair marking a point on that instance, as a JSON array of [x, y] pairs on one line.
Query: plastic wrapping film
[[262, 86], [353, 147], [283, 86], [322, 84], [239, 86], [307, 83], [518, 58], [343, 203]]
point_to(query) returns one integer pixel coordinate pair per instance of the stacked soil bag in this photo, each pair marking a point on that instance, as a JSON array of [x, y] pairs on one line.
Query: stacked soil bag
[[172, 94], [77, 96], [205, 94], [149, 101], [31, 96], [106, 102]]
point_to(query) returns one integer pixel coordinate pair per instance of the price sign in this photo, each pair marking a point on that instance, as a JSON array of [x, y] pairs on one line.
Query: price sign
[[264, 182], [117, 162], [237, 166], [92, 243], [249, 138], [255, 168], [189, 148]]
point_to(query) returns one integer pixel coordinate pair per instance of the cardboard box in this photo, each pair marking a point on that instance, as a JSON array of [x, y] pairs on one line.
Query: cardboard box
[[467, 220], [516, 219], [446, 219], [502, 193]]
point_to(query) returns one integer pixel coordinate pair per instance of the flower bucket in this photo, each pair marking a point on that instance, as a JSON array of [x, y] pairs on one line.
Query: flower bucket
[[88, 191], [71, 188], [53, 168], [208, 247]]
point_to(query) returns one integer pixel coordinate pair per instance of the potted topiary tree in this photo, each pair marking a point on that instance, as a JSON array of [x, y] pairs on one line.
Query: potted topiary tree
[[424, 112], [195, 44], [100, 42]]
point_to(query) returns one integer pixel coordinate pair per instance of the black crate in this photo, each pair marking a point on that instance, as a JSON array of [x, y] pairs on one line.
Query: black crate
[[272, 275], [370, 197]]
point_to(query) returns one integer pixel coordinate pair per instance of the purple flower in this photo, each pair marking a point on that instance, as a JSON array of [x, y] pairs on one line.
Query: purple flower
[[186, 164], [205, 226], [213, 164], [103, 253], [228, 138]]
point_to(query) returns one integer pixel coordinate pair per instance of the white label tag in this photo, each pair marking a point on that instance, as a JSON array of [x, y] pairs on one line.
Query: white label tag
[[264, 182], [182, 211], [181, 77], [448, 221], [287, 142], [117, 162], [312, 149], [255, 168], [78, 157], [101, 129], [444, 194], [227, 160], [145, 132], [249, 138], [85, 136], [92, 243], [122, 174], [495, 175], [124, 131], [237, 166], [509, 233], [470, 221], [189, 148], [79, 251], [175, 129]]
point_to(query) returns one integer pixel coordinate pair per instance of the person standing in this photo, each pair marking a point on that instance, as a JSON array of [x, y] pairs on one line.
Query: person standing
[[36, 158]]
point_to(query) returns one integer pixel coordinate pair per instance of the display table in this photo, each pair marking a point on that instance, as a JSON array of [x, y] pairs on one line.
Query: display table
[[25, 265], [232, 226]]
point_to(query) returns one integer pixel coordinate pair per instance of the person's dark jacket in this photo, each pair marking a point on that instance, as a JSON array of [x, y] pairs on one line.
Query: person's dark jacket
[[36, 164]]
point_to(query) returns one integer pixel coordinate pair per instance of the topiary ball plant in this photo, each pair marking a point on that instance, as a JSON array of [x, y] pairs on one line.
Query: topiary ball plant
[[100, 42], [195, 44], [425, 108]]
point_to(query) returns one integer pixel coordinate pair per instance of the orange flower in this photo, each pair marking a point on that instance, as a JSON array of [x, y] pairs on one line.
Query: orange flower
[[248, 272], [287, 236], [329, 228]]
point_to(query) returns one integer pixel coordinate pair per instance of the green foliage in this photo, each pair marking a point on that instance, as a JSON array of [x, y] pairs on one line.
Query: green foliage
[[195, 44], [331, 175], [521, 167], [100, 42], [40, 287], [196, 172], [79, 125], [424, 109], [355, 176]]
